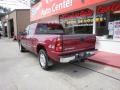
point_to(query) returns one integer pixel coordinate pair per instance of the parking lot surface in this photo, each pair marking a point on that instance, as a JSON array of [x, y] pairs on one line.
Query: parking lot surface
[[21, 71]]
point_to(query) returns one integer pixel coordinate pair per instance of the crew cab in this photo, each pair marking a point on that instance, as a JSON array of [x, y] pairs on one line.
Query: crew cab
[[51, 44]]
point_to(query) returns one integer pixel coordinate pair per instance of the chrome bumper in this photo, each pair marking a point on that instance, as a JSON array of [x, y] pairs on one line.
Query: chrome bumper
[[77, 56], [67, 59]]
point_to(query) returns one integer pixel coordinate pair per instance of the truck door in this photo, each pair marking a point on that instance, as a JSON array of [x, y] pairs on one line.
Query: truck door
[[24, 37], [30, 37]]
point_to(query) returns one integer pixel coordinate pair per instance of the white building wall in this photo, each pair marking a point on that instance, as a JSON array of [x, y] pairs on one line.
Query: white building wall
[[111, 46]]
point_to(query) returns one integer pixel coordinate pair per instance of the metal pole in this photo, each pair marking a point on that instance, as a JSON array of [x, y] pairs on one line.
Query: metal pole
[[94, 20]]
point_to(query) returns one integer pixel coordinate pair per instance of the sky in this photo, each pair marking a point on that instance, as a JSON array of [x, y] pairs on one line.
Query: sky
[[15, 4]]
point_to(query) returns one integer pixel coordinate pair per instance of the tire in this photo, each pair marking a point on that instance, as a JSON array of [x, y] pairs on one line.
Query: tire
[[44, 60], [21, 48]]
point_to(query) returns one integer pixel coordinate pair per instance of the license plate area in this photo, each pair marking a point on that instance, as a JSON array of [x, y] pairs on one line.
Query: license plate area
[[80, 55], [84, 54]]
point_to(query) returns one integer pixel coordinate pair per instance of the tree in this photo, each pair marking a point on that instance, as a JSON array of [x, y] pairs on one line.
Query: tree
[[3, 11], [33, 2]]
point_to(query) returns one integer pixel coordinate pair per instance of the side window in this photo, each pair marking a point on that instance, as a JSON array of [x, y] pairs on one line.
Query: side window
[[27, 29], [32, 28], [41, 29], [30, 31]]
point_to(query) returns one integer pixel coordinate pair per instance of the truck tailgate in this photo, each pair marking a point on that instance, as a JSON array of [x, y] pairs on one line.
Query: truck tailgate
[[78, 42]]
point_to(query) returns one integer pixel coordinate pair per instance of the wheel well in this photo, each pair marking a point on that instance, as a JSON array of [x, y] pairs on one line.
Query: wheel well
[[40, 47]]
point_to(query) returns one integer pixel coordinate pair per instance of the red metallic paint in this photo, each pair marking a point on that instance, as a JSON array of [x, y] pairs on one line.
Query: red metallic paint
[[71, 44]]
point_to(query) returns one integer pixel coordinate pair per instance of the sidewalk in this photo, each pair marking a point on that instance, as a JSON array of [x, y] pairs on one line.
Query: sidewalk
[[106, 58]]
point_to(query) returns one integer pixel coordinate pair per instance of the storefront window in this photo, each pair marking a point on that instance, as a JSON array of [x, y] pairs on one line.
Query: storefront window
[[107, 21], [108, 16], [101, 25], [83, 30], [79, 22]]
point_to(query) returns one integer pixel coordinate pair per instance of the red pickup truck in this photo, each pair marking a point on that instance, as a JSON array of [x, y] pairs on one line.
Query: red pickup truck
[[52, 44]]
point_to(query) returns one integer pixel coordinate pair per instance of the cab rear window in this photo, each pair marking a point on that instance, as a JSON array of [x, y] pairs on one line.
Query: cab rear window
[[49, 28]]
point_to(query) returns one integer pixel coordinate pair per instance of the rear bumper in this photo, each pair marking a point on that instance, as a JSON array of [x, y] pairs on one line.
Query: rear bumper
[[77, 56]]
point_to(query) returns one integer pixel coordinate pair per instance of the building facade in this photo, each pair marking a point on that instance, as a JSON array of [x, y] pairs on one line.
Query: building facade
[[15, 22], [99, 17]]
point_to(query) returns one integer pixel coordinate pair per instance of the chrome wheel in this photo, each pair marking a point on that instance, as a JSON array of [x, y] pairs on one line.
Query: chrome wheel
[[42, 60]]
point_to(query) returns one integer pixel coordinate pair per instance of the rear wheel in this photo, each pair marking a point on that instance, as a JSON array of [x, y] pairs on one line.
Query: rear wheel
[[44, 60]]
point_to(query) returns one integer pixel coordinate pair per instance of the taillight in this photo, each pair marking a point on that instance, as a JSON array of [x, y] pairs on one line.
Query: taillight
[[58, 45]]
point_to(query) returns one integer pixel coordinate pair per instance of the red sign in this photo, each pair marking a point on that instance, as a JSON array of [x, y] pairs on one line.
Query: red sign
[[46, 8], [85, 12], [112, 7]]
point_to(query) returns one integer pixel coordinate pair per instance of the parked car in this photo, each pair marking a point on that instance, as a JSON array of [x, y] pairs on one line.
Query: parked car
[[52, 44]]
